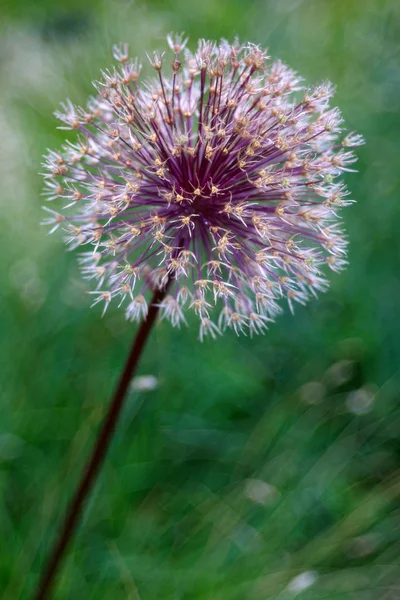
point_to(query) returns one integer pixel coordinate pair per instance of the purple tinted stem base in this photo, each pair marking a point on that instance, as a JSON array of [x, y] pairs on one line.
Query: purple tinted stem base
[[98, 455]]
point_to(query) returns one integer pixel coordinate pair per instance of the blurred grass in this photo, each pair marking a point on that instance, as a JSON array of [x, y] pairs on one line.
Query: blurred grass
[[255, 460]]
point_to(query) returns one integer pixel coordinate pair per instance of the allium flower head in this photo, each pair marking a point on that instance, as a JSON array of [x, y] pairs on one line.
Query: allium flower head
[[218, 177]]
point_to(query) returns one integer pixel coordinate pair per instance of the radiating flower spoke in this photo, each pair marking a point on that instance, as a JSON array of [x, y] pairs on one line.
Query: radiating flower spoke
[[219, 177]]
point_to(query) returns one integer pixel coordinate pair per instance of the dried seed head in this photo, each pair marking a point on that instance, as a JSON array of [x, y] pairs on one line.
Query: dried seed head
[[221, 176]]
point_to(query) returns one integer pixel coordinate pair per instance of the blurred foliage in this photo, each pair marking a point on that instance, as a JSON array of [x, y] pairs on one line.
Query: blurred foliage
[[263, 468]]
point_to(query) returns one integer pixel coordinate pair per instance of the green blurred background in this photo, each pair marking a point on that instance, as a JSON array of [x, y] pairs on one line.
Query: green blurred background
[[257, 469]]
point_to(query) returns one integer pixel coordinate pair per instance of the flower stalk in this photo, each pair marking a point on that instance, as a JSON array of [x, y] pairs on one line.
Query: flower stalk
[[96, 459]]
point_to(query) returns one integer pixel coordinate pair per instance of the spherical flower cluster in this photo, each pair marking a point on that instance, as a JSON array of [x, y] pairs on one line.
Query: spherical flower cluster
[[218, 181]]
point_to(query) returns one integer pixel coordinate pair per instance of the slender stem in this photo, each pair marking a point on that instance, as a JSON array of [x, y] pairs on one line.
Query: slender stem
[[97, 457]]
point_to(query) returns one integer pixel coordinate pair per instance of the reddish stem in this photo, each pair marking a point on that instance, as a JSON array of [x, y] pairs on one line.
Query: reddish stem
[[99, 452]]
